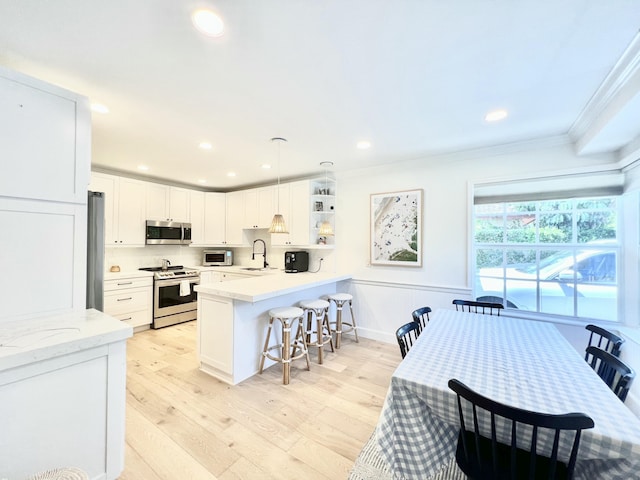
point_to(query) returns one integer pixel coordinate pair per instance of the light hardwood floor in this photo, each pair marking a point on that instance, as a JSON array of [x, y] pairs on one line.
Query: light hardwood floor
[[184, 424]]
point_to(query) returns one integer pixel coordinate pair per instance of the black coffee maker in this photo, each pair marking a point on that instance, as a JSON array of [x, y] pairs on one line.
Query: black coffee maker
[[295, 262]]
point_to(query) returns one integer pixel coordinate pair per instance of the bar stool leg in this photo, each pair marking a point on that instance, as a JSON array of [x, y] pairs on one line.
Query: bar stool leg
[[286, 351], [353, 321], [266, 345], [338, 323]]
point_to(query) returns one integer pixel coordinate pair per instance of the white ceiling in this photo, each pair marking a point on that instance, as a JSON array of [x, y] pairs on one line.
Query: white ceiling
[[414, 77]]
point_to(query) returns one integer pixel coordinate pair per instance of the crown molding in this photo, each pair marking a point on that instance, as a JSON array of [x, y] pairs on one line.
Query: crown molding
[[621, 85]]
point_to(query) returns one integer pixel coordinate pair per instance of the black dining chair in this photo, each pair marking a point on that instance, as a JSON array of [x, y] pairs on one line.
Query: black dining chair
[[421, 316], [407, 335], [613, 371], [604, 339], [488, 308], [481, 456]]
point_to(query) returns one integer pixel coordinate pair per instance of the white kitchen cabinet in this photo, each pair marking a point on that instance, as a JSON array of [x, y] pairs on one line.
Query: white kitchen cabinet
[[124, 209], [46, 154], [179, 199], [294, 206], [234, 218], [197, 217], [259, 207], [130, 299], [215, 334], [46, 140], [62, 386], [165, 203], [215, 211]]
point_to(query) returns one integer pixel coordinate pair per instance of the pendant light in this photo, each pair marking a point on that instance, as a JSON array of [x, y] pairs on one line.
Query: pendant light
[[325, 227], [277, 224]]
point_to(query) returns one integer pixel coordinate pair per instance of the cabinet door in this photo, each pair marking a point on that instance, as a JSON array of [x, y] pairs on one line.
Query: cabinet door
[[215, 218], [196, 209], [131, 211], [108, 185], [179, 205], [215, 334], [235, 218], [39, 136], [259, 207], [157, 200]]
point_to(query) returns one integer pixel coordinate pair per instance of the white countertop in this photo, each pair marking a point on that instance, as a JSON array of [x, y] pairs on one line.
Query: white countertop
[[127, 274], [31, 340], [269, 286], [239, 270]]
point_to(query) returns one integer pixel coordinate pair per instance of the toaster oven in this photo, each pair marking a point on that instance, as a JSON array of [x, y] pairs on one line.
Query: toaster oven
[[216, 258]]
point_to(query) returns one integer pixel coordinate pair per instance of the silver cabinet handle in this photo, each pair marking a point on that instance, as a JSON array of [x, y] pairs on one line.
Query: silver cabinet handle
[[123, 299]]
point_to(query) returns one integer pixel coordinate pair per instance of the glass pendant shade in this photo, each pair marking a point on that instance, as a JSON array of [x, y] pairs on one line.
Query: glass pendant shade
[[278, 225], [325, 229]]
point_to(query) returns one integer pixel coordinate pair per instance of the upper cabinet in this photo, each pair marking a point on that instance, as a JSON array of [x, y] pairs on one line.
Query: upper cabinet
[[45, 149], [46, 138], [294, 207], [234, 218], [165, 203], [124, 209], [197, 217], [259, 207], [215, 208]]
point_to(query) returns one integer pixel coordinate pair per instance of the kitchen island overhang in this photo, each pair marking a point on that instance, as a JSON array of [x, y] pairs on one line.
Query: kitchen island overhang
[[233, 318]]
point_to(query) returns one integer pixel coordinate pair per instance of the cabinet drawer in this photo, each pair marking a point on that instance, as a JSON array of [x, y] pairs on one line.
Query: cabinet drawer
[[127, 300], [119, 284], [137, 318]]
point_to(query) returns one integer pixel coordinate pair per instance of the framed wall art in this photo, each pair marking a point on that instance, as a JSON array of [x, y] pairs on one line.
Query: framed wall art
[[396, 228]]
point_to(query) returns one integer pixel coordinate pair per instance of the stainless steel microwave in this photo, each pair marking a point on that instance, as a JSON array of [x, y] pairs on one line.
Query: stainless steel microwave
[[167, 233], [215, 258]]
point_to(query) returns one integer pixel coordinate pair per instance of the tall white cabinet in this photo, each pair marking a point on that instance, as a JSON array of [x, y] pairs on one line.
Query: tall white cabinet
[[62, 367]]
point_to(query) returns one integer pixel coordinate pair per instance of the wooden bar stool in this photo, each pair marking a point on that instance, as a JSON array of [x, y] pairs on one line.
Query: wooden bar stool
[[340, 299], [318, 309], [287, 316]]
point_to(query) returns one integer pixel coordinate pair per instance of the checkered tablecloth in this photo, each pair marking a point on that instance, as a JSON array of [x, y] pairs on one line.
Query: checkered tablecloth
[[520, 362]]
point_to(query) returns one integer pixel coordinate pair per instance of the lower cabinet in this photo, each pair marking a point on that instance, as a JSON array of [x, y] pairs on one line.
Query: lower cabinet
[[215, 334], [130, 300]]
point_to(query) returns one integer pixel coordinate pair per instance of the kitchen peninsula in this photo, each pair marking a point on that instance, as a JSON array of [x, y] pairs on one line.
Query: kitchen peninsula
[[233, 318]]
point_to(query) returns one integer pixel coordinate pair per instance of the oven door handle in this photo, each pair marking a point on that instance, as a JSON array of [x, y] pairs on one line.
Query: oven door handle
[[169, 283]]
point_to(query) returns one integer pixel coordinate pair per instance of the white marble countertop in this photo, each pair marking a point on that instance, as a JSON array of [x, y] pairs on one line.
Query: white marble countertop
[[31, 340], [269, 286]]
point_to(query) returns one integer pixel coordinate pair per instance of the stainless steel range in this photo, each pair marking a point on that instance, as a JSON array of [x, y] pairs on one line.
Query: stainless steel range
[[174, 300]]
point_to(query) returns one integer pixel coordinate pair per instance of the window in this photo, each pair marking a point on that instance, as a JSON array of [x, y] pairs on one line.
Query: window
[[557, 257]]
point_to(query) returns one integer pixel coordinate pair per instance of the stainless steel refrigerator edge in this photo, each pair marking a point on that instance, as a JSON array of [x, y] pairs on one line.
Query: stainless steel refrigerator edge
[[95, 250]]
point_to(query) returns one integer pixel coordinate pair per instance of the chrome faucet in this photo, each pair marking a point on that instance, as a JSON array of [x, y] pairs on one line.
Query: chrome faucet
[[264, 252], [165, 264]]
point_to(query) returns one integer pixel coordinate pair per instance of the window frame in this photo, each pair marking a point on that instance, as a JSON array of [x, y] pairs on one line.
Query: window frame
[[575, 246]]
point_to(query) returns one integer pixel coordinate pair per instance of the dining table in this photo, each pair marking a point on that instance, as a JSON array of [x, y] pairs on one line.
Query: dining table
[[525, 363]]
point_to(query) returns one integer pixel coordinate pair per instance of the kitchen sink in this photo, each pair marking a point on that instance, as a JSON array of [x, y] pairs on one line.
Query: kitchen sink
[[253, 269]]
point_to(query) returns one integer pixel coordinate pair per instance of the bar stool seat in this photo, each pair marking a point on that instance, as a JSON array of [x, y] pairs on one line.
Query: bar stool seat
[[318, 309], [340, 299], [287, 316]]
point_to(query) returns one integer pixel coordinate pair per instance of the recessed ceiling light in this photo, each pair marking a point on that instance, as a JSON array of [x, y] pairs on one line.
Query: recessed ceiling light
[[143, 168], [206, 146], [99, 108], [363, 145], [231, 174], [496, 115], [266, 166], [208, 23], [202, 180]]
